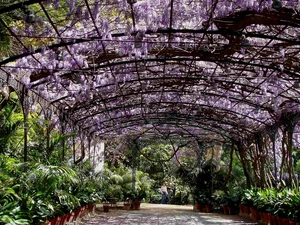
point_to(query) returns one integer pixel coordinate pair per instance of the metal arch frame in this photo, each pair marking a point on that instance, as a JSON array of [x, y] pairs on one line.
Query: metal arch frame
[[164, 60]]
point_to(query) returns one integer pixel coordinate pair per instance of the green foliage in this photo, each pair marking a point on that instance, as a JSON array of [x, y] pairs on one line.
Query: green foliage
[[10, 201], [44, 140], [283, 203], [88, 189], [43, 191], [12, 214], [11, 128], [155, 160], [5, 42], [117, 183], [200, 197], [10, 170]]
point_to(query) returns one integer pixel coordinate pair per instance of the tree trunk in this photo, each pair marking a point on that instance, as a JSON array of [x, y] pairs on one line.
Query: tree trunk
[[261, 159], [244, 165]]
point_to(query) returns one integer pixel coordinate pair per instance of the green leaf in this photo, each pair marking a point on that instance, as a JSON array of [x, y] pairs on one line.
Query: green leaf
[[6, 219], [22, 221]]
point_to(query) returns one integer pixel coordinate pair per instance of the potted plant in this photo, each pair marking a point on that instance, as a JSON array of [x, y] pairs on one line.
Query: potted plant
[[219, 198], [127, 204], [232, 201], [138, 196], [106, 206], [199, 200], [247, 202], [208, 203]]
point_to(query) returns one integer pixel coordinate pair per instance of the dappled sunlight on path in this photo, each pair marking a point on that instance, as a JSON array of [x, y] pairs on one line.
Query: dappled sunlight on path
[[151, 214]]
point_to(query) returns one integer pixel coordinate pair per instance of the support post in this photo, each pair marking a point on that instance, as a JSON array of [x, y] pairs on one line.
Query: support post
[[290, 166], [134, 148], [262, 160], [272, 134], [134, 165], [290, 120], [48, 131], [63, 128], [243, 161], [73, 146], [25, 108]]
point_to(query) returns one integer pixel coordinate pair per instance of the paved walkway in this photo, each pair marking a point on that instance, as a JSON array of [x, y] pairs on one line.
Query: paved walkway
[[151, 214]]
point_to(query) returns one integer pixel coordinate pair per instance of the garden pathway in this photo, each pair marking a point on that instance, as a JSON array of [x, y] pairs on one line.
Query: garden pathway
[[152, 214]]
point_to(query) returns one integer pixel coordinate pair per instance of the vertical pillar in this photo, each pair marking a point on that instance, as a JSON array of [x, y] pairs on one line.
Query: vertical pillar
[[290, 166], [262, 160], [48, 131], [90, 143], [244, 163], [73, 146], [63, 144], [272, 134], [83, 144], [134, 148], [63, 128], [134, 165], [290, 120], [25, 108], [200, 153], [94, 153]]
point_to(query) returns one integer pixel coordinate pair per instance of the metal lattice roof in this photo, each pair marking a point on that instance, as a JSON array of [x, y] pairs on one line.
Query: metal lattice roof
[[208, 69]]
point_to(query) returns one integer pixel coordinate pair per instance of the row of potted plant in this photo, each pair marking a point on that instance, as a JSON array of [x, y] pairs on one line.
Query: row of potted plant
[[203, 202], [72, 216], [265, 205], [272, 206], [227, 202], [43, 192]]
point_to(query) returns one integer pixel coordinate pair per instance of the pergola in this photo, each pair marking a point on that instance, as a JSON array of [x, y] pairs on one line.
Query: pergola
[[211, 70]]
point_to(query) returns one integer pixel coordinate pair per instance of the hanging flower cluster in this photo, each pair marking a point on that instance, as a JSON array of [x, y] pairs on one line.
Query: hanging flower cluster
[[209, 69]]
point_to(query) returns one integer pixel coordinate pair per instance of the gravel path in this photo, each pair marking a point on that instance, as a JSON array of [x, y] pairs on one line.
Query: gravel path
[[151, 214]]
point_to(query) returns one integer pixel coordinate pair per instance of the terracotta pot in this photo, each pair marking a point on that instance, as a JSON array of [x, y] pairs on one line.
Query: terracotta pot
[[255, 214], [286, 221], [279, 221], [76, 214], [137, 205], [127, 206], [247, 209], [292, 222], [225, 209], [274, 220], [71, 217], [63, 219], [53, 221], [208, 208], [242, 209], [252, 213], [58, 220], [90, 207], [105, 207], [267, 217], [83, 210], [261, 215], [197, 207], [230, 210]]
